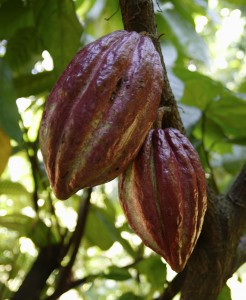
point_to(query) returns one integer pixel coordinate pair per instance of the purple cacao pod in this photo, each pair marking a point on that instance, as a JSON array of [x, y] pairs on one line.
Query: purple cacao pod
[[99, 111], [163, 195]]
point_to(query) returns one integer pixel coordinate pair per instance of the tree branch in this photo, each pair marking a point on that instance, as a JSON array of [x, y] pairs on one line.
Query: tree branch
[[215, 256], [35, 280], [173, 287], [65, 272]]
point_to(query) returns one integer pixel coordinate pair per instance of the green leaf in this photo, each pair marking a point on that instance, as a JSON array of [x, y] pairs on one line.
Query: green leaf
[[213, 136], [233, 162], [24, 49], [106, 14], [82, 7], [28, 84], [14, 14], [190, 117], [5, 150], [97, 230], [154, 270], [101, 231], [9, 116], [225, 293], [117, 273], [33, 228], [129, 296], [242, 87], [11, 188], [199, 90], [230, 113], [185, 36], [59, 29], [6, 292]]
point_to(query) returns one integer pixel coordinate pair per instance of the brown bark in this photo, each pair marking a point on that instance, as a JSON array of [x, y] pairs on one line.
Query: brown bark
[[220, 249]]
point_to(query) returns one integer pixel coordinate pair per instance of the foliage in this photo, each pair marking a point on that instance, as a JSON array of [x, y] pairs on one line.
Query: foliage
[[37, 40]]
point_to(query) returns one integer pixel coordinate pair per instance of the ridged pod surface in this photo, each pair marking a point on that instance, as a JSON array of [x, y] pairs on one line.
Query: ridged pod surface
[[163, 195], [99, 111]]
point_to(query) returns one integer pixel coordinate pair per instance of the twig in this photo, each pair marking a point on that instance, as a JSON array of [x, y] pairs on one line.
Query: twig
[[173, 287], [74, 243]]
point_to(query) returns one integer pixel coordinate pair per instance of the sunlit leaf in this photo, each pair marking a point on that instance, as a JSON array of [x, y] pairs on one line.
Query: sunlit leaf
[[33, 228], [106, 14], [5, 150], [59, 28], [225, 293], [4, 288], [185, 36], [100, 230], [230, 114], [82, 7], [98, 227], [199, 90], [11, 188], [154, 270]]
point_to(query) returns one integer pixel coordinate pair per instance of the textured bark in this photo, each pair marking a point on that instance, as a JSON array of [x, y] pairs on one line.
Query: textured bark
[[35, 280], [220, 249]]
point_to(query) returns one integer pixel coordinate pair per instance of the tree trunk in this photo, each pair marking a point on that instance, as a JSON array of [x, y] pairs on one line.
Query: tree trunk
[[220, 249]]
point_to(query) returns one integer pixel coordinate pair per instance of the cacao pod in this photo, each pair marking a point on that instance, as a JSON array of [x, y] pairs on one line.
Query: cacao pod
[[99, 111], [163, 195]]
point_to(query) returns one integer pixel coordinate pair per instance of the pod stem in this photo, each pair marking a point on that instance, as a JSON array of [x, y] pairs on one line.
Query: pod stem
[[160, 115]]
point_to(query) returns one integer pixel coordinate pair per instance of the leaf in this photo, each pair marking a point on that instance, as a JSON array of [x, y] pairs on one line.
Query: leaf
[[199, 89], [24, 49], [33, 228], [5, 150], [236, 2], [28, 84], [10, 188], [225, 293], [154, 270], [5, 289], [230, 113], [14, 14], [190, 117], [105, 14], [96, 230], [129, 296], [233, 162], [185, 35], [59, 28], [117, 273], [9, 116], [82, 7], [101, 231], [242, 87]]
